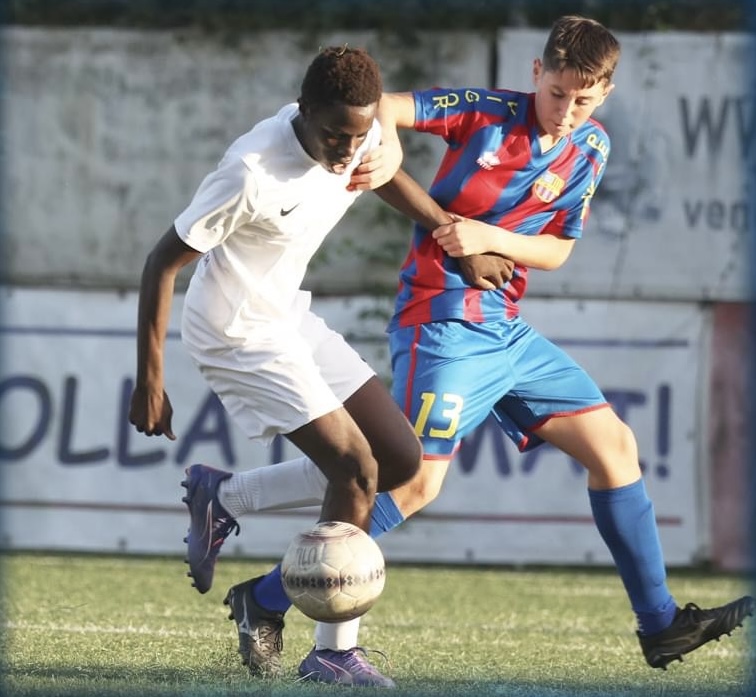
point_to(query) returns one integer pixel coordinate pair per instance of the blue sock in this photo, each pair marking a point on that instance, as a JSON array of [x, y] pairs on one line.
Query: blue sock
[[625, 519], [269, 592], [386, 515]]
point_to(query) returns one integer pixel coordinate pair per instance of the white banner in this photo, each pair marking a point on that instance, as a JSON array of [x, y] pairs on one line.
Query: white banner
[[76, 476]]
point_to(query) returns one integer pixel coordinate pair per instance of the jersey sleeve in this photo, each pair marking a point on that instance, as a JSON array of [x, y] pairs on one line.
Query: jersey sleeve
[[223, 202], [452, 113], [571, 221]]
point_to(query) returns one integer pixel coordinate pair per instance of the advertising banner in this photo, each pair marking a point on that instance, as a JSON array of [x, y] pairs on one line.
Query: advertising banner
[[77, 476]]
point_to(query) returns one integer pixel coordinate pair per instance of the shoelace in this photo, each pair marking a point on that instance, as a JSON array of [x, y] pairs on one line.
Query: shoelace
[[357, 658], [362, 662], [693, 613], [266, 631], [222, 528], [366, 651]]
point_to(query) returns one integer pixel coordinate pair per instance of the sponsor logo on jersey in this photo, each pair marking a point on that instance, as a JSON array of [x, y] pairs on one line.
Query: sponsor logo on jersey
[[488, 160], [548, 186]]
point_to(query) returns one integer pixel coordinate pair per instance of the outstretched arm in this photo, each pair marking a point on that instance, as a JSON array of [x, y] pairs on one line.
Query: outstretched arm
[[151, 410]]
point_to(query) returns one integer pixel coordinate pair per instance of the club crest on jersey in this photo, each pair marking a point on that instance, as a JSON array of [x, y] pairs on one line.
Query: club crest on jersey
[[548, 187], [488, 160]]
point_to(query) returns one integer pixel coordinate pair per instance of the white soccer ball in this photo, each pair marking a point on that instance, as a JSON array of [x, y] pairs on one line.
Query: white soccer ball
[[334, 572]]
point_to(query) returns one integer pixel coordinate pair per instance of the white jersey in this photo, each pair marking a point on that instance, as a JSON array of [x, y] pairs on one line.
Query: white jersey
[[259, 218]]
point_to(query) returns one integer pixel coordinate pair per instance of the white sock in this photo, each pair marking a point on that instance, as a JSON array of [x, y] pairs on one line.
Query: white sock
[[337, 636], [290, 484]]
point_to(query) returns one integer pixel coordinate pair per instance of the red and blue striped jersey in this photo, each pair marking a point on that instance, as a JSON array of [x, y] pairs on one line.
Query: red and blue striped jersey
[[493, 170]]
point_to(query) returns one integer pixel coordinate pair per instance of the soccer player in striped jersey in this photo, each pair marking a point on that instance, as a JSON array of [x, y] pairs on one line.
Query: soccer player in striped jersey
[[518, 176]]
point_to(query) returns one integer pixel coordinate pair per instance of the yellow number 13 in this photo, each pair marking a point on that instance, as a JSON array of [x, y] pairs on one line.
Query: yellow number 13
[[452, 413]]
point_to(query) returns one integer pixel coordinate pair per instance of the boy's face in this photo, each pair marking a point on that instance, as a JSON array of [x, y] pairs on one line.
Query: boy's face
[[332, 134], [562, 102]]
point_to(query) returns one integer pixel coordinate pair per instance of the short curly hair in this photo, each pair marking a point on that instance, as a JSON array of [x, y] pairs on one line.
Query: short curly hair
[[344, 75]]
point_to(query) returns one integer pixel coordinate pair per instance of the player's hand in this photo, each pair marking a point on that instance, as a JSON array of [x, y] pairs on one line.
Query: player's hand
[[377, 167], [486, 271], [464, 237], [151, 413]]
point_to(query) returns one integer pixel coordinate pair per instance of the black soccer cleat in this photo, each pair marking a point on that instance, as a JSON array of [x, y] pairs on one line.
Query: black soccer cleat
[[260, 631], [691, 628]]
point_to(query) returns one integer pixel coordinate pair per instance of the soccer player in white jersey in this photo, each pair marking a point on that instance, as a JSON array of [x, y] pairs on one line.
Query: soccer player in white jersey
[[253, 226]]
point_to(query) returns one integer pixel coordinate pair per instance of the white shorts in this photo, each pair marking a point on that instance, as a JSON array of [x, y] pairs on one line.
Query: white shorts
[[284, 376]]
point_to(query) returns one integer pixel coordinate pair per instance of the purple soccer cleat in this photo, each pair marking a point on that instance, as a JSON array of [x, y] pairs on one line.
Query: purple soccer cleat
[[342, 668], [209, 525]]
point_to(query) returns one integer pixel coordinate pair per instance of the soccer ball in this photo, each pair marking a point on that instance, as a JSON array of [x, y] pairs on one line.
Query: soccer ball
[[334, 572]]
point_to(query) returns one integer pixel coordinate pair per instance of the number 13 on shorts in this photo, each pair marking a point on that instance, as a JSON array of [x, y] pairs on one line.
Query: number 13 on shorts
[[448, 423]]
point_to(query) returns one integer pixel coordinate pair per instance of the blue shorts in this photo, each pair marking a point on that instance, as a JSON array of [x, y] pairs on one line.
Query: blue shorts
[[449, 376]]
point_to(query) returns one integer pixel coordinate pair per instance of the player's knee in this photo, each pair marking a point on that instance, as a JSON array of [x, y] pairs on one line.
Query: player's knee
[[422, 489], [616, 462], [355, 475], [427, 486], [616, 443], [625, 443]]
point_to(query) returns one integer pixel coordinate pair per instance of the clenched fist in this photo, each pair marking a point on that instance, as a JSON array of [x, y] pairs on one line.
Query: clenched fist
[[486, 271]]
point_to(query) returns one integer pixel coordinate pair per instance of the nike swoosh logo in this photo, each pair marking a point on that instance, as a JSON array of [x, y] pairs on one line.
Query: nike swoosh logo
[[285, 212]]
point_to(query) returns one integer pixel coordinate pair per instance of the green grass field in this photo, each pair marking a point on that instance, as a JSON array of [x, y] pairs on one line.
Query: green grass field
[[100, 626]]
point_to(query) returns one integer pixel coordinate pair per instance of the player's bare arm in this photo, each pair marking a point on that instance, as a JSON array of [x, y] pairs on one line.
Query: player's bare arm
[[409, 198], [151, 411], [396, 110], [465, 236]]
